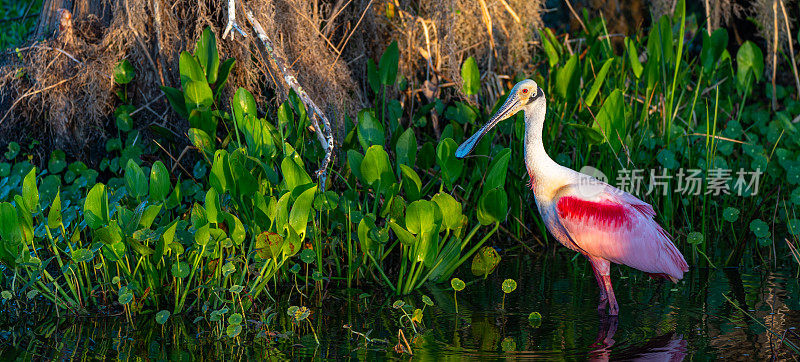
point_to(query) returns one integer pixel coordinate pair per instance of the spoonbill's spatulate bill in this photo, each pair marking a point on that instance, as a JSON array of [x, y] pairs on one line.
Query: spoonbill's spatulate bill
[[591, 217]]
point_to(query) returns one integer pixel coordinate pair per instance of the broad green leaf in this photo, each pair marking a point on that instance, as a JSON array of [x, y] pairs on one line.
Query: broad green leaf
[[125, 298], [243, 104], [110, 234], [212, 206], [420, 216], [54, 218], [285, 117], [326, 201], [95, 207], [412, 185], [598, 81], [446, 159], [611, 119], [633, 58], [13, 150], [370, 130], [406, 148], [549, 50], [30, 193], [591, 135], [666, 39], [376, 169], [298, 217], [159, 182], [224, 72], [508, 345], [388, 64], [450, 208], [694, 238], [403, 235], [485, 261], [235, 318], [135, 180], [492, 206], [190, 70], [293, 174], [206, 52], [498, 170], [471, 77], [233, 330], [124, 72], [166, 239], [176, 100], [749, 63], [82, 255], [114, 252], [149, 215], [11, 241], [202, 235], [354, 160], [269, 245], [365, 226], [201, 140], [162, 316], [568, 78], [713, 46], [197, 95], [235, 228], [373, 78], [220, 173]]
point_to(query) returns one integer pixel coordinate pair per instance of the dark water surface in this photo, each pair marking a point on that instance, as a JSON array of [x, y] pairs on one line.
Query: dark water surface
[[658, 321]]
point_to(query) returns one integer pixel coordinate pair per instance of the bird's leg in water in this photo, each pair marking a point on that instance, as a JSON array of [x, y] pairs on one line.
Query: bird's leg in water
[[600, 267], [602, 286], [613, 308]]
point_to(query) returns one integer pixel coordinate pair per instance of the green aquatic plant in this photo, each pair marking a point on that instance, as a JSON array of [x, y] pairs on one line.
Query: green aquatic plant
[[458, 285], [509, 285]]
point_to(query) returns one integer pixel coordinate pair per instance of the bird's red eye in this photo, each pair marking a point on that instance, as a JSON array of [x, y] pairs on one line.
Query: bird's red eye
[[524, 91]]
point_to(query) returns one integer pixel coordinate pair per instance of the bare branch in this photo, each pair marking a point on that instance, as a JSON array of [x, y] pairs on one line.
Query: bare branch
[[324, 133]]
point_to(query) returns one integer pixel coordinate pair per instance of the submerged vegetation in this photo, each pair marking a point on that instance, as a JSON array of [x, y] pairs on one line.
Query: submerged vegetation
[[248, 229]]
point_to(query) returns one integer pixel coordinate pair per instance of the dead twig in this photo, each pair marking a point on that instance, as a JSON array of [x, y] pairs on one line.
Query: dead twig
[[232, 22], [147, 104], [572, 10], [324, 133], [351, 33], [511, 11], [775, 52], [791, 48]]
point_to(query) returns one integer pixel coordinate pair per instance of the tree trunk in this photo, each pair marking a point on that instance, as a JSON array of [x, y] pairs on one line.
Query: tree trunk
[[49, 17]]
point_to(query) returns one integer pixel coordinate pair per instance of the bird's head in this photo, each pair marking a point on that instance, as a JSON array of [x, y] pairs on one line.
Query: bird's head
[[523, 94]]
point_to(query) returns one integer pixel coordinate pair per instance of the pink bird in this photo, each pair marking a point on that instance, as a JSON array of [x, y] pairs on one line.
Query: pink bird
[[584, 214]]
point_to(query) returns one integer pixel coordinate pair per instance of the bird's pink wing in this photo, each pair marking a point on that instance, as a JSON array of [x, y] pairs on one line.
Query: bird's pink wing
[[618, 227]]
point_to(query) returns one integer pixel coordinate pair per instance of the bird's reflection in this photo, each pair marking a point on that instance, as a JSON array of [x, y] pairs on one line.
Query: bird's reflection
[[667, 347]]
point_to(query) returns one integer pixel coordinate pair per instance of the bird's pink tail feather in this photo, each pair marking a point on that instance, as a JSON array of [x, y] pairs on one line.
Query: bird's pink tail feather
[[674, 255]]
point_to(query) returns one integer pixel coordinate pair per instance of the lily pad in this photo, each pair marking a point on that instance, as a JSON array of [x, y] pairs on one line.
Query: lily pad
[[457, 284], [730, 214], [695, 238], [509, 285], [162, 316]]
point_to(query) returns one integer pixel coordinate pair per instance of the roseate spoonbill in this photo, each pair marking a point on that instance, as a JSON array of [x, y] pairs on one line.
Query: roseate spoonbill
[[591, 217]]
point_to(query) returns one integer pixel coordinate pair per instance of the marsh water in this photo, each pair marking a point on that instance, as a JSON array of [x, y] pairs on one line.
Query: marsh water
[[738, 314]]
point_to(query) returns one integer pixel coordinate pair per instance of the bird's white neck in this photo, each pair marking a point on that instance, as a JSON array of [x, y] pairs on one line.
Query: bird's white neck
[[546, 175]]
